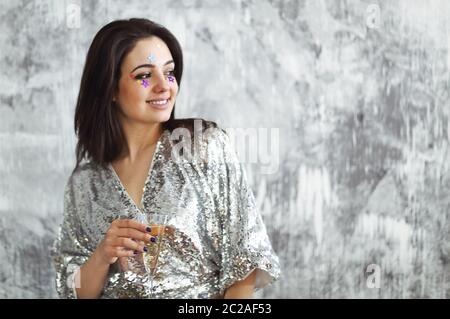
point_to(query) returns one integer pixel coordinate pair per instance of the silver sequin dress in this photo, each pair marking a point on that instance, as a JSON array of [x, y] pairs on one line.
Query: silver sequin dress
[[219, 236]]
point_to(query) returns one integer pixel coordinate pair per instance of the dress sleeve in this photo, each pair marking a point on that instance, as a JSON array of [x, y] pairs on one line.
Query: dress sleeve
[[244, 242], [71, 249]]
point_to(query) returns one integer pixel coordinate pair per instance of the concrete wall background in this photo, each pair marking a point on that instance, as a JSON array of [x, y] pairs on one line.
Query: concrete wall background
[[359, 91]]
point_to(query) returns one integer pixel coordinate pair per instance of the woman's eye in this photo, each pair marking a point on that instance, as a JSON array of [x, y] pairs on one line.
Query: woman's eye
[[143, 76], [171, 73]]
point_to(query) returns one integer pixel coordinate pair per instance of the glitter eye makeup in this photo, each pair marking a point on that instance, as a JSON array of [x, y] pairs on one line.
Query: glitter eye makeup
[[171, 76], [145, 83], [144, 78]]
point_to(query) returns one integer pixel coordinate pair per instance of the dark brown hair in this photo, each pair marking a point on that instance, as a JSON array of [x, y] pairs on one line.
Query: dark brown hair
[[100, 135]]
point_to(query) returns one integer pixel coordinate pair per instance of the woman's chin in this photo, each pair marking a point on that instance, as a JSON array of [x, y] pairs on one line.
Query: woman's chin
[[161, 117]]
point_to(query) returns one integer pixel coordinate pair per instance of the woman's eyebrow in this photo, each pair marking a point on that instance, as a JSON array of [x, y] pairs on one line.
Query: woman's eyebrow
[[150, 65]]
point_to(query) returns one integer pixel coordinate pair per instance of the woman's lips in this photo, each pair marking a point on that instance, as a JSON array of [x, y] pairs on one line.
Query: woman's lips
[[159, 103]]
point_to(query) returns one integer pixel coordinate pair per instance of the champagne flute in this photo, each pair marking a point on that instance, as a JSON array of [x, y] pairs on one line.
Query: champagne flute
[[157, 223]]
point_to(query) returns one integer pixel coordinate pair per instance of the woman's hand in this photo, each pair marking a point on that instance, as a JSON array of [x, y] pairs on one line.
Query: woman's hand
[[124, 238], [242, 289]]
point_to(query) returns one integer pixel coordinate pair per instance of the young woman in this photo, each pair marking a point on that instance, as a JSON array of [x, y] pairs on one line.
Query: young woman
[[129, 167]]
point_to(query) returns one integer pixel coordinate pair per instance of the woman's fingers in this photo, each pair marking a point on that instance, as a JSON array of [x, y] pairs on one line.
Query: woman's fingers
[[123, 264], [129, 223], [127, 237], [134, 234], [120, 252], [128, 243], [124, 238]]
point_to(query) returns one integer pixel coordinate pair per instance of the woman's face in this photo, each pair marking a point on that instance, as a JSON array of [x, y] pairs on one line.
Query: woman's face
[[147, 86]]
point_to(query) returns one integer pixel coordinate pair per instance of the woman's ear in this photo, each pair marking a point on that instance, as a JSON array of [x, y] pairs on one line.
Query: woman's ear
[[115, 93]]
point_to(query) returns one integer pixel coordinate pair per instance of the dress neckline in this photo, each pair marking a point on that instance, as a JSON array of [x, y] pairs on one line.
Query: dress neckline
[[125, 196]]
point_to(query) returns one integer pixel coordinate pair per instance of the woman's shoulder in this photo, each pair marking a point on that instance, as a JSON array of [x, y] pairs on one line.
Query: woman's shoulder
[[83, 173]]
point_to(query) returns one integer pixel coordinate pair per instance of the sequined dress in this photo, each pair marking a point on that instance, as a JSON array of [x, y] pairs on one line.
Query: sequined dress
[[219, 236]]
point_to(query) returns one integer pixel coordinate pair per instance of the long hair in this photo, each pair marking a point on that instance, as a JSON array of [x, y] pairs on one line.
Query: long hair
[[97, 126]]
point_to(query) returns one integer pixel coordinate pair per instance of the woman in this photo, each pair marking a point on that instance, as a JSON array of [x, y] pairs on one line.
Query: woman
[[129, 167]]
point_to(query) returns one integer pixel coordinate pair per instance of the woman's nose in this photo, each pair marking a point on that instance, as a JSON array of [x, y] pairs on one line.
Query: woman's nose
[[160, 84]]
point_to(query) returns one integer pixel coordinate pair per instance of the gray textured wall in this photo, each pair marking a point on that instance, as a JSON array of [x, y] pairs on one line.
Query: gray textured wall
[[362, 106]]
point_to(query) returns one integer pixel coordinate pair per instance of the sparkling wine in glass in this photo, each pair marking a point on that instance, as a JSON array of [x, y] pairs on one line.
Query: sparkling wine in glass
[[157, 223]]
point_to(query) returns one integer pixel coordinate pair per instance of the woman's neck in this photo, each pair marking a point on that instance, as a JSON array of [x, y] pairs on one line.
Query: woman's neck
[[139, 139]]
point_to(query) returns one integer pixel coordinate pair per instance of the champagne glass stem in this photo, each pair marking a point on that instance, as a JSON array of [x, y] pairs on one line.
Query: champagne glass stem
[[158, 223]]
